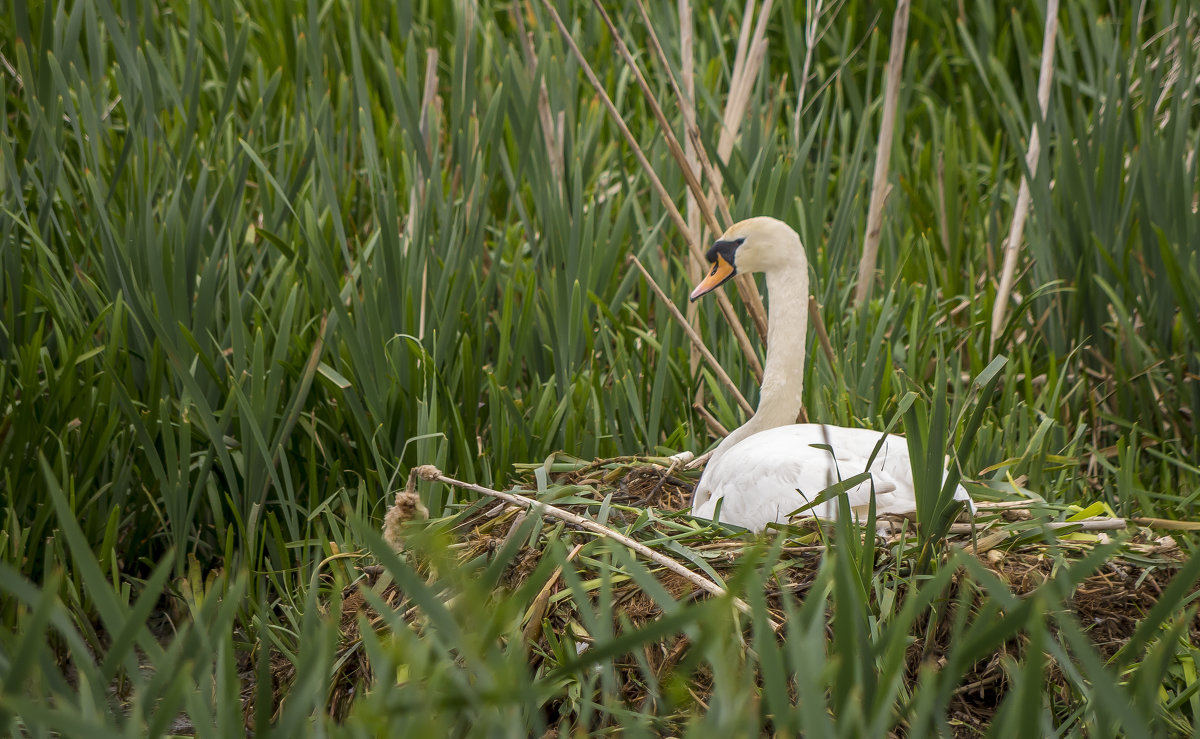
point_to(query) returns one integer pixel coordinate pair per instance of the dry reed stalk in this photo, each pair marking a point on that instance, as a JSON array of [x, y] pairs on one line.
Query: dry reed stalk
[[883, 155], [747, 289], [812, 18], [1087, 524], [714, 426], [1012, 244], [814, 314], [844, 63], [664, 197], [1166, 523], [702, 460], [689, 174], [687, 106], [747, 63], [685, 100], [751, 298], [433, 474], [1003, 504], [696, 340], [743, 44]]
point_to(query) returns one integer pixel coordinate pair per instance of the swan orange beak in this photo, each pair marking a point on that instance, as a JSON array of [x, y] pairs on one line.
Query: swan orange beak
[[721, 271]]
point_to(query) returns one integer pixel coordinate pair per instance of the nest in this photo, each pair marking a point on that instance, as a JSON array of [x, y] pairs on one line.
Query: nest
[[1109, 604]]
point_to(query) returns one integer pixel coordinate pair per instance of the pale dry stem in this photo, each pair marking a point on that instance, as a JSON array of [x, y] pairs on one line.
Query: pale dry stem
[[883, 155], [696, 339], [1012, 244]]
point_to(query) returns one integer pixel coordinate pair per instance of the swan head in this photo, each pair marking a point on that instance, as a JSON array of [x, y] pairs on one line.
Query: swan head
[[761, 244]]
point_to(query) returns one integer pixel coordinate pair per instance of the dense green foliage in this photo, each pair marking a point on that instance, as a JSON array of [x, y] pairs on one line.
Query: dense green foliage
[[250, 276]]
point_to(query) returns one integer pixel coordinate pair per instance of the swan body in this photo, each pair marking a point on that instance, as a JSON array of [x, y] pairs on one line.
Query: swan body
[[774, 472], [769, 467]]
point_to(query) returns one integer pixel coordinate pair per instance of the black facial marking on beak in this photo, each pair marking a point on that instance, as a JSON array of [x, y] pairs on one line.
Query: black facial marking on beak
[[721, 256]]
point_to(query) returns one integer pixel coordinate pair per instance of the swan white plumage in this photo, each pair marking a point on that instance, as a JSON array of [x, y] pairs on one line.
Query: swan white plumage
[[769, 467]]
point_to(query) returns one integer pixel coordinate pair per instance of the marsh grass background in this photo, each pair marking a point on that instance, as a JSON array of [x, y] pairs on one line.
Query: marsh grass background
[[261, 258]]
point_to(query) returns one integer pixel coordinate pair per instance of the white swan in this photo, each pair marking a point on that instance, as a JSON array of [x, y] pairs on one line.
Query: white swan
[[768, 467]]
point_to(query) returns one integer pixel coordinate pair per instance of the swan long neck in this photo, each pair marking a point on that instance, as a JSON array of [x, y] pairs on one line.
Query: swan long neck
[[779, 401]]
